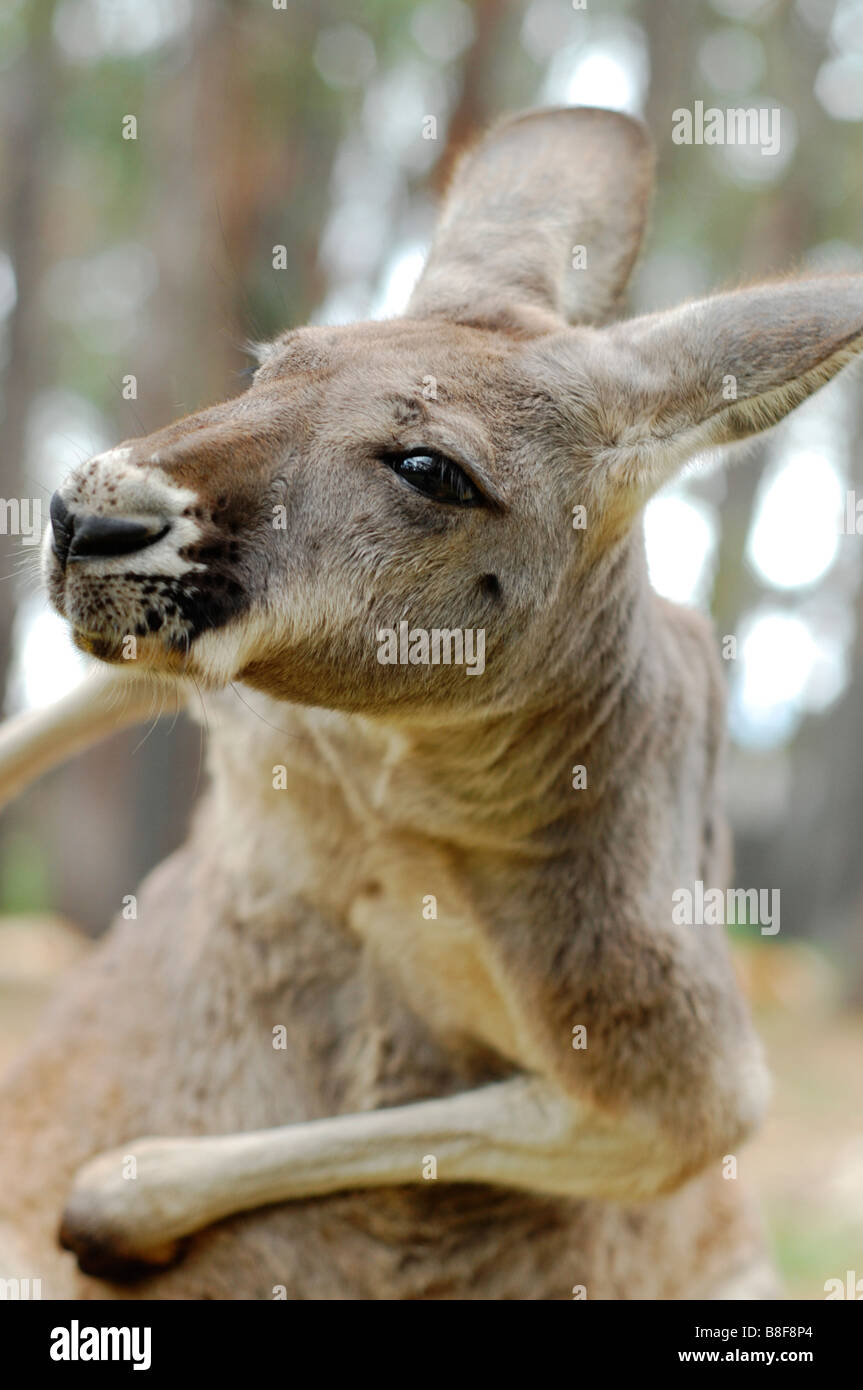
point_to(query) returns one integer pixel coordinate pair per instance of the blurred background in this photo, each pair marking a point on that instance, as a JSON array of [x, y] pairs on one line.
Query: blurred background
[[283, 172]]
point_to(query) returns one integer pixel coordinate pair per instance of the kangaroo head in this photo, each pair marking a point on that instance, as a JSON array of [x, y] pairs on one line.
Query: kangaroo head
[[469, 475]]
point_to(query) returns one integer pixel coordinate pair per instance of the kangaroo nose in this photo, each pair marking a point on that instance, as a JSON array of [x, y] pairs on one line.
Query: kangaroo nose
[[78, 537]]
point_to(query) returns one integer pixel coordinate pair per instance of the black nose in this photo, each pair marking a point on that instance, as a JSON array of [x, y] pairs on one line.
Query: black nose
[[78, 537]]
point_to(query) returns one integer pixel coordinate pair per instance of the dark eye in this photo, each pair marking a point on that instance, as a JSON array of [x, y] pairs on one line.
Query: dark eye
[[435, 476]]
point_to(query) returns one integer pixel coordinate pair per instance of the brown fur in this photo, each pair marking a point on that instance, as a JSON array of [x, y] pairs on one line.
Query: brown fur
[[303, 907]]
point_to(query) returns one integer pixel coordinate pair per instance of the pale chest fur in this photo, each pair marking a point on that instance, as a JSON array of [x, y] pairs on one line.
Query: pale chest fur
[[330, 832], [419, 920]]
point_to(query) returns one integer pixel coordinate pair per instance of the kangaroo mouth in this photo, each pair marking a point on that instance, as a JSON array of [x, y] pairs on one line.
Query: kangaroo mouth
[[124, 611], [128, 648], [96, 644], [135, 617]]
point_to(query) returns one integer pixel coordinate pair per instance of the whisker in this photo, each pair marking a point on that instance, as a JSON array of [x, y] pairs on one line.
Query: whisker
[[300, 738], [178, 711], [119, 391], [154, 723], [202, 727]]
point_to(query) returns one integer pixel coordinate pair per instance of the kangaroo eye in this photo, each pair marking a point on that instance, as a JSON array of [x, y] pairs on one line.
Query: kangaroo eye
[[436, 477]]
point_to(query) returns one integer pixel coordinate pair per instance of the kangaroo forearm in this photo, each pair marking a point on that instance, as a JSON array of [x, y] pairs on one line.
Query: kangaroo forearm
[[39, 739], [519, 1133]]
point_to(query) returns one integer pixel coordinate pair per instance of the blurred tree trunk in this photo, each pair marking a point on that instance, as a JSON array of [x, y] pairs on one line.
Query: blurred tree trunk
[[747, 234], [29, 153], [28, 157], [824, 890], [478, 99], [215, 191]]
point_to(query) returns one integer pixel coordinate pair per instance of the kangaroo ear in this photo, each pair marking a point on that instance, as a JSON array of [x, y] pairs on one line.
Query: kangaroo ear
[[673, 384], [542, 222]]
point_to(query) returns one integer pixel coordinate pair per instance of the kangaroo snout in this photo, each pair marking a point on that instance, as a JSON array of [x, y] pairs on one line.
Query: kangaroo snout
[[139, 562], [84, 536]]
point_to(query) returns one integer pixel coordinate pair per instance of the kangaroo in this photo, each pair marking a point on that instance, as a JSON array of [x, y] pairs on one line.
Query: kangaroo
[[409, 1016]]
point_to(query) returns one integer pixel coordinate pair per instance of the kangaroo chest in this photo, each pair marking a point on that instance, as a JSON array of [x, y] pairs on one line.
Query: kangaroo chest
[[422, 927]]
